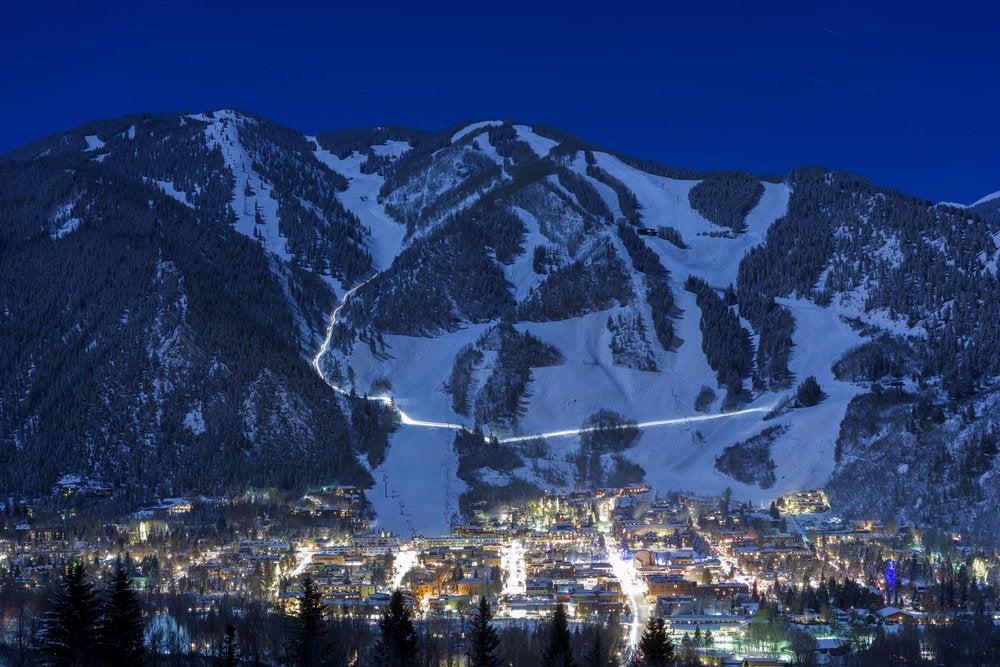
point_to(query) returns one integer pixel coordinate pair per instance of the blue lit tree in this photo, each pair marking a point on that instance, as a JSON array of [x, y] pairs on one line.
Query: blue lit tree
[[890, 579]]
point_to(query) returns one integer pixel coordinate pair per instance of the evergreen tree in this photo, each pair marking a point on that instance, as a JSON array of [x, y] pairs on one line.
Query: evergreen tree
[[595, 655], [655, 646], [809, 393], [398, 645], [122, 632], [311, 618], [72, 620], [484, 638], [559, 652]]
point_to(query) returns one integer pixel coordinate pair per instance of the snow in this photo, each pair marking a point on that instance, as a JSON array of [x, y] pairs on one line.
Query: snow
[[418, 369], [805, 454], [541, 145], [221, 131], [361, 199], [521, 273], [664, 202], [63, 217], [417, 488], [194, 421], [93, 143], [483, 143], [990, 197], [170, 189], [391, 147], [469, 129], [678, 446], [67, 227]]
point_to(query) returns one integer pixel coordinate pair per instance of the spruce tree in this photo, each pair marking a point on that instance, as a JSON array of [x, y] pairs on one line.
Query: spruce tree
[[122, 632], [559, 652], [595, 655], [484, 640], [809, 393], [655, 646], [70, 625], [311, 617], [398, 645]]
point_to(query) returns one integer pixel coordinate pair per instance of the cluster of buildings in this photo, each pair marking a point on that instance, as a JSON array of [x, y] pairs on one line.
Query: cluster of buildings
[[704, 565]]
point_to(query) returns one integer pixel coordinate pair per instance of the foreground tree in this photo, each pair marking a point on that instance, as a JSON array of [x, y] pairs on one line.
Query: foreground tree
[[559, 652], [308, 647], [655, 646], [122, 632], [398, 645], [484, 638], [70, 626], [595, 655]]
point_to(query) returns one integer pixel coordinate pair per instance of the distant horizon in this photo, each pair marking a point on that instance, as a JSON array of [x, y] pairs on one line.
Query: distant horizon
[[904, 95]]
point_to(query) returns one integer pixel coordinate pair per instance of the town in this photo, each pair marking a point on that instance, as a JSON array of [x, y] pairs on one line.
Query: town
[[734, 584]]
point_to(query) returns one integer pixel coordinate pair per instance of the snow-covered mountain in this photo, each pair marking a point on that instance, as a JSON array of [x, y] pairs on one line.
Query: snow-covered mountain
[[514, 280]]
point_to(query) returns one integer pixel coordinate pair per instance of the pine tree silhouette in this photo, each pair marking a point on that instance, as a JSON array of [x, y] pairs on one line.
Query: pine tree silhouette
[[122, 631], [484, 638], [398, 645], [311, 617], [559, 652], [655, 646], [70, 625]]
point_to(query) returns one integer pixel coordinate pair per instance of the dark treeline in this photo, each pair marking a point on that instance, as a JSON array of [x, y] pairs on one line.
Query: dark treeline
[[659, 296], [152, 325], [586, 194], [726, 197], [749, 461], [422, 293], [599, 462], [501, 400], [724, 341], [597, 282], [344, 142], [285, 159], [627, 202], [672, 235], [504, 139], [460, 383]]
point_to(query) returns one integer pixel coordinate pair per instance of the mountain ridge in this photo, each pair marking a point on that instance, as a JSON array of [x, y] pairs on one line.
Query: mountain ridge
[[494, 232]]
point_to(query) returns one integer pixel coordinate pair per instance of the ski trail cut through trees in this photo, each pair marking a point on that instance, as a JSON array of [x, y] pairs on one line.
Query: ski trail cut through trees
[[407, 420]]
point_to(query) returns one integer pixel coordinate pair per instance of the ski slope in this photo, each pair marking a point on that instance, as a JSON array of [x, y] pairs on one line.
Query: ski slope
[[418, 488]]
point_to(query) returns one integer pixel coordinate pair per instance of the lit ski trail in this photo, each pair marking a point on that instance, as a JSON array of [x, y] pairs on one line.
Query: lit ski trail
[[410, 421], [385, 399], [512, 558], [401, 565]]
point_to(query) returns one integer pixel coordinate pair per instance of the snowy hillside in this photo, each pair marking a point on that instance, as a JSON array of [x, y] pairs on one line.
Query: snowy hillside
[[494, 278], [569, 221]]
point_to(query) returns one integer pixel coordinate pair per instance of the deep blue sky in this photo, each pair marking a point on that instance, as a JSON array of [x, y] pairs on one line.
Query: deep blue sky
[[907, 94]]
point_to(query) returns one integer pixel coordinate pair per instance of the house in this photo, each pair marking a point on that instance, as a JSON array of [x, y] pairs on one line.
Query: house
[[894, 615], [662, 584]]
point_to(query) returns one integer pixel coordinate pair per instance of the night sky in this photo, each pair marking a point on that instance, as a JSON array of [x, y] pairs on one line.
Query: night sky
[[907, 94]]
